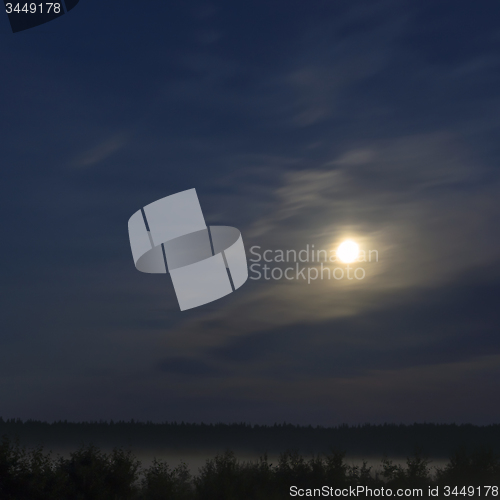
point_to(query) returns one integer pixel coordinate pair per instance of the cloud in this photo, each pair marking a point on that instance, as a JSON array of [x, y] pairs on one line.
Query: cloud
[[419, 200], [101, 152], [422, 202], [356, 120], [188, 367]]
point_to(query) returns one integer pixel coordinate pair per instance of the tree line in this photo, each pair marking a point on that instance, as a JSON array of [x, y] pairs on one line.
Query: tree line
[[436, 440]]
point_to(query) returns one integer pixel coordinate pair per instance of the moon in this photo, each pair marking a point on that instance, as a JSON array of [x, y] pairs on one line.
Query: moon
[[348, 251]]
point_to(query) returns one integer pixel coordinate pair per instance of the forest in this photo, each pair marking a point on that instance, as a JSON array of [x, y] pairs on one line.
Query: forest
[[91, 474], [368, 440], [102, 463]]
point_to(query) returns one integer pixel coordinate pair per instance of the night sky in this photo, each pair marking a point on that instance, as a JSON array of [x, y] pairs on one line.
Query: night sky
[[299, 123]]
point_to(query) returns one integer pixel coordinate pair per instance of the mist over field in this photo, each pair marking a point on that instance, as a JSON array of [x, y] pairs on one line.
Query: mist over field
[[180, 469]]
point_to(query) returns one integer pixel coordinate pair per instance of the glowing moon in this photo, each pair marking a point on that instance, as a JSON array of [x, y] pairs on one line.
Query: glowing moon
[[348, 251]]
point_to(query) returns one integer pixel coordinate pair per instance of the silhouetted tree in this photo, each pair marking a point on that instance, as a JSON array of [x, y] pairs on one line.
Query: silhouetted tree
[[90, 474], [466, 468], [160, 482]]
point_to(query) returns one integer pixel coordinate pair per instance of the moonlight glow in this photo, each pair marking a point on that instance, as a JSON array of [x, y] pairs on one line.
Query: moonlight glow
[[348, 251]]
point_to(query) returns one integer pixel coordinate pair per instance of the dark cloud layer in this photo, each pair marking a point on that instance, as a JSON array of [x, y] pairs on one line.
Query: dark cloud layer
[[299, 123]]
